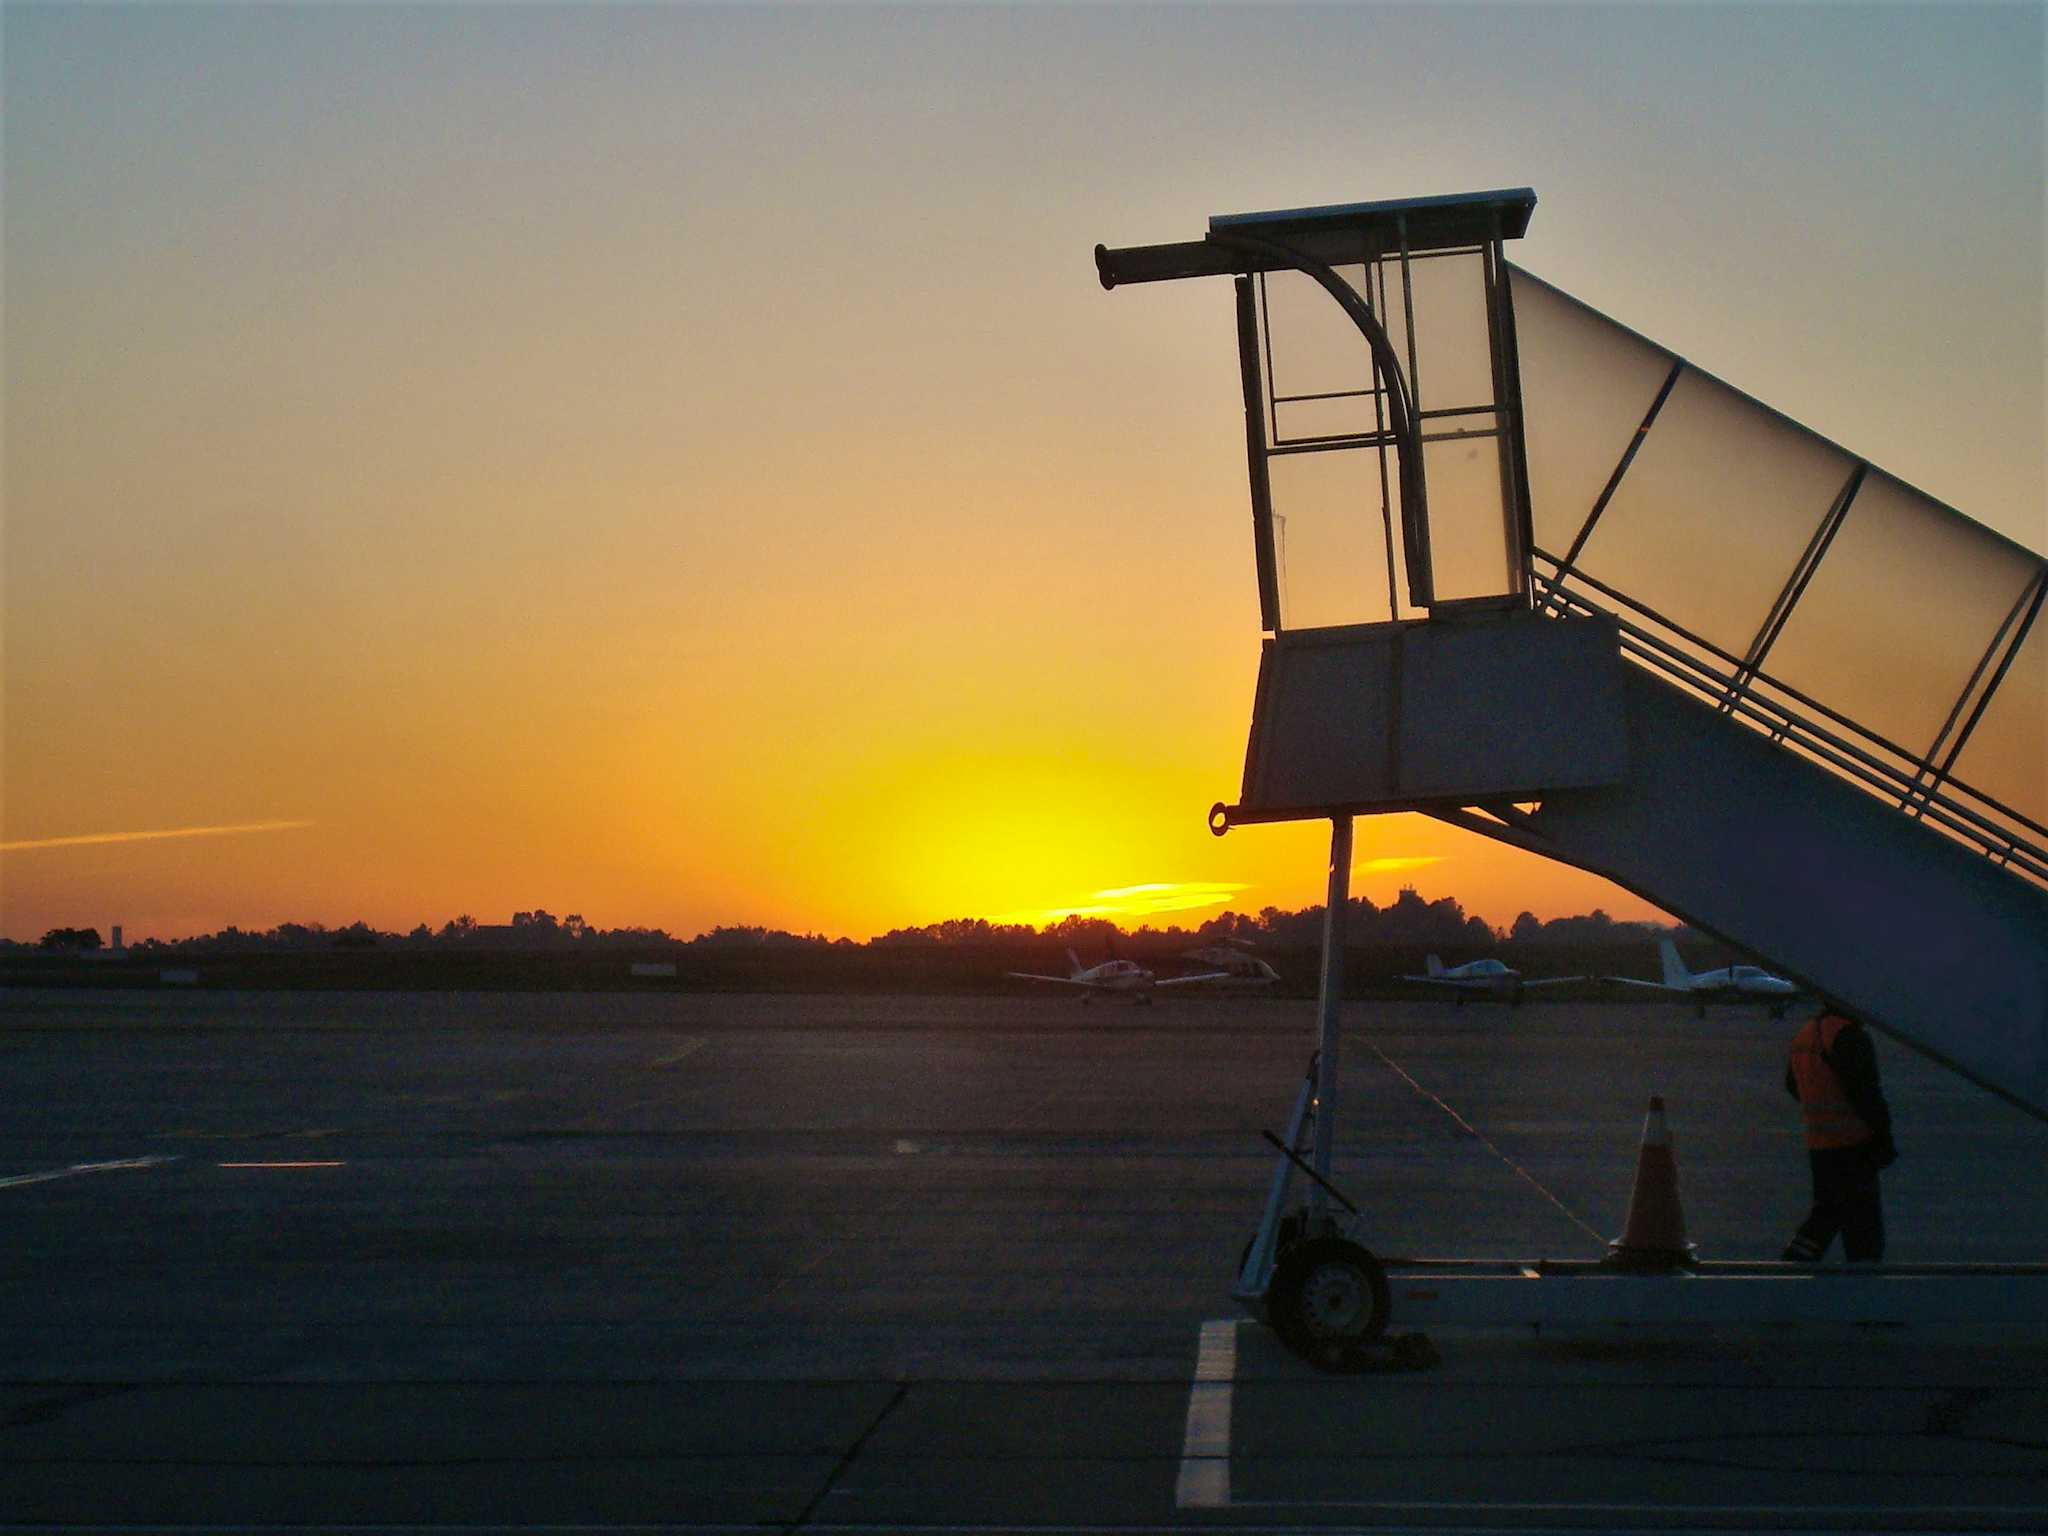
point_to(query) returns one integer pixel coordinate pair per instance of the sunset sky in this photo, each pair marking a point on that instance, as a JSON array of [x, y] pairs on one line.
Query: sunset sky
[[676, 465]]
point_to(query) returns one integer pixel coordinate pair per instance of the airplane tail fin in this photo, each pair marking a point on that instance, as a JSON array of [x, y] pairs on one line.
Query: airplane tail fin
[[1436, 966], [1675, 973], [1074, 960]]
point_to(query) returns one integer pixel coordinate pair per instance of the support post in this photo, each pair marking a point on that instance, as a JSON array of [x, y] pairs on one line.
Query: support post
[[1332, 1004]]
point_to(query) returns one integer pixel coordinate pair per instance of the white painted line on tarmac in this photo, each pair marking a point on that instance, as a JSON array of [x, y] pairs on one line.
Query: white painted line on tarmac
[[14, 1180], [748, 1528], [677, 1056], [1205, 1451], [1959, 1527], [1205, 1484], [1801, 1517]]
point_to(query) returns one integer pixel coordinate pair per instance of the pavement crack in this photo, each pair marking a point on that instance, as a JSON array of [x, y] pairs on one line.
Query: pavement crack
[[852, 1455], [1954, 1410], [47, 1410]]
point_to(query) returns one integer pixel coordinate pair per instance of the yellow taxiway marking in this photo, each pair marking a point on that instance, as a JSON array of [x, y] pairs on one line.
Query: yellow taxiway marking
[[677, 1056], [304, 1164]]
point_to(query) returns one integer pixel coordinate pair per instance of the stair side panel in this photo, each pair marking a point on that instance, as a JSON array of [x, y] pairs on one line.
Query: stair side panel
[[1927, 939]]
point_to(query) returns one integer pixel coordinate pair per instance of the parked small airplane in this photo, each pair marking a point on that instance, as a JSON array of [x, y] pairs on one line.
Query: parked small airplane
[[1240, 971], [1731, 983], [1486, 978], [1123, 977]]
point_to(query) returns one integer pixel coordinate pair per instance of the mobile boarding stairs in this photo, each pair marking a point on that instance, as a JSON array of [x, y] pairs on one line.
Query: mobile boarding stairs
[[1521, 569]]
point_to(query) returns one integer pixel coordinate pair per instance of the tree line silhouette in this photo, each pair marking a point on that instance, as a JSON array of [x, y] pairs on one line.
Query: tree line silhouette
[[1407, 921]]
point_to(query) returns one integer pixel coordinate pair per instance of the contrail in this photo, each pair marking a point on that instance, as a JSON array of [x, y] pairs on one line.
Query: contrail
[[149, 837]]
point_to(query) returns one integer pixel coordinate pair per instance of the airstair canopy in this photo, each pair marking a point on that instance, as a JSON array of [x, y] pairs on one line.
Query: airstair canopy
[[1376, 357], [1346, 232]]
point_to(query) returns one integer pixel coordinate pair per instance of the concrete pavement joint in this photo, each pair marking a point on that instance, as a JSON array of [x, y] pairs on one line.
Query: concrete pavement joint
[[852, 1454], [1473, 1131]]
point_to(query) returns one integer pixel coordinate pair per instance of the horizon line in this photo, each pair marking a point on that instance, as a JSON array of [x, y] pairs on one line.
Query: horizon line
[[1019, 929]]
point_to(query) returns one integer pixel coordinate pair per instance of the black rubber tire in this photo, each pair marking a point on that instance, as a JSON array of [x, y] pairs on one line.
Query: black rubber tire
[[1328, 1302]]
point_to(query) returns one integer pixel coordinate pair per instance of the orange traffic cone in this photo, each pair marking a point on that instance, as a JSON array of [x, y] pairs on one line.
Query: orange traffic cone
[[1654, 1236]]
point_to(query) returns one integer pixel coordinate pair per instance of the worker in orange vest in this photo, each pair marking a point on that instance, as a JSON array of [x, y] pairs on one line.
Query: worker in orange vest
[[1832, 1072]]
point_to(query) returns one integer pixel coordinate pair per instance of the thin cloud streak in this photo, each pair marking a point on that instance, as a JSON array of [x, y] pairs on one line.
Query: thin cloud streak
[[1170, 896], [92, 838], [1395, 864], [1134, 901]]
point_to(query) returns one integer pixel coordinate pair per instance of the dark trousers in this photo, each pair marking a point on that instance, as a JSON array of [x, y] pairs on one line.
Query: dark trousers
[[1845, 1200]]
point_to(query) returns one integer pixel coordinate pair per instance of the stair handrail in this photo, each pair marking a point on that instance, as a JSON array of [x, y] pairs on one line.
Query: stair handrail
[[1902, 786]]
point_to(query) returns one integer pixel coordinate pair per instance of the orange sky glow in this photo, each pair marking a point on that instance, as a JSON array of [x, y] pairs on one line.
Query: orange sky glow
[[676, 464]]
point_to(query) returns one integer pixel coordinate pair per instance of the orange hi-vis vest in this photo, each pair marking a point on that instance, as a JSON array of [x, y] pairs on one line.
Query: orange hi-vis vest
[[1831, 1121]]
